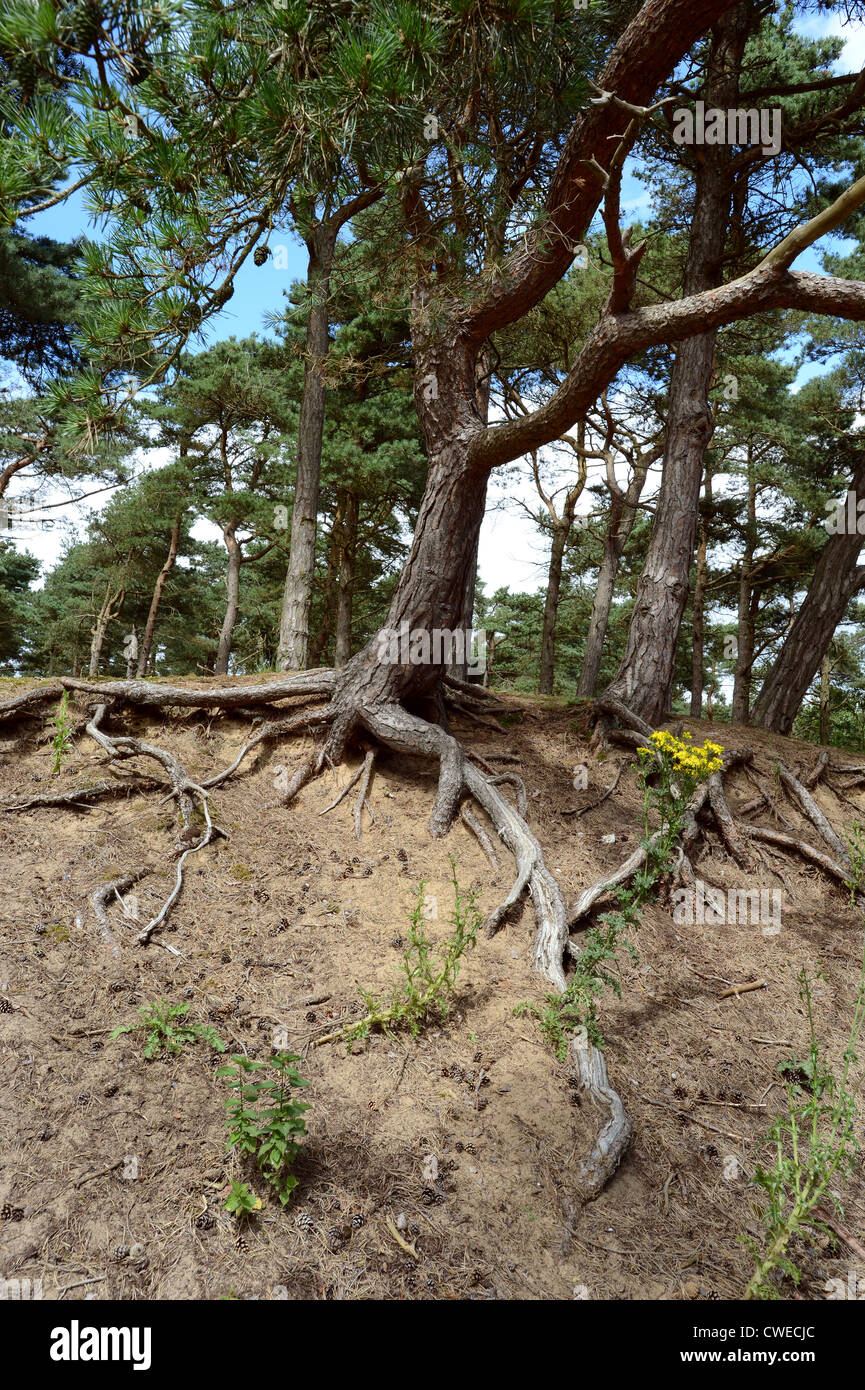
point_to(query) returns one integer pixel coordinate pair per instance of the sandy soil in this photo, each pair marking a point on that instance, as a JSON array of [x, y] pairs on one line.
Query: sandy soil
[[463, 1139]]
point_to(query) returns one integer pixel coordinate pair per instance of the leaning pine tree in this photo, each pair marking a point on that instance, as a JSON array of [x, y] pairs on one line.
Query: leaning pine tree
[[523, 116]]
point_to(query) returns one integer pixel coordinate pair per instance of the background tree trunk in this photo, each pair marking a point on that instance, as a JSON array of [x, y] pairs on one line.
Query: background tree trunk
[[745, 628], [107, 613], [294, 626], [623, 514], [836, 579], [645, 677], [697, 655], [345, 588], [158, 590], [551, 606], [232, 599]]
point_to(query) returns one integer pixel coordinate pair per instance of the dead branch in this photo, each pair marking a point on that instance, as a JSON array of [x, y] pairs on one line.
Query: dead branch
[[79, 795]]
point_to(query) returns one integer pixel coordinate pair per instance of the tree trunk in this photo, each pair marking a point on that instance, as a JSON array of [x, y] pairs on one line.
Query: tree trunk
[[319, 644], [699, 604], [345, 587], [294, 626], [551, 607], [836, 579], [825, 698], [232, 600], [746, 615], [158, 590], [645, 677], [106, 615], [400, 662], [623, 514]]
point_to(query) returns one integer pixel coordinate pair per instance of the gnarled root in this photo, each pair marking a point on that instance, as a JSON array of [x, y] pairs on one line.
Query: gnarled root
[[588, 1067]]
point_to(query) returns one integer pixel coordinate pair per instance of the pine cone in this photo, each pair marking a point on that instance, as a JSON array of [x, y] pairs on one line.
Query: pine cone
[[260, 254], [6, 1007], [120, 1252], [204, 1221]]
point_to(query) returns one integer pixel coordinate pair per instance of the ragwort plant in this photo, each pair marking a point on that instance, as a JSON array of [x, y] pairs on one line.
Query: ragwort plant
[[669, 772]]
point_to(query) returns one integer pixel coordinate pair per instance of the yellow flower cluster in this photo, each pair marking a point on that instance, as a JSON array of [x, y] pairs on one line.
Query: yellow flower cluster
[[696, 762]]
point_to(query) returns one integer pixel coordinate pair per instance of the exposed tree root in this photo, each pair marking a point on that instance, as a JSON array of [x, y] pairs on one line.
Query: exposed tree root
[[148, 695], [22, 704], [470, 820], [363, 794], [726, 825], [817, 856], [584, 810], [121, 746], [588, 1067], [102, 895], [815, 816], [79, 796], [302, 719]]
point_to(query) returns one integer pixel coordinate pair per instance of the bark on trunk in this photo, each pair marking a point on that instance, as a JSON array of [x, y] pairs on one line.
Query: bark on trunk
[[551, 608], [294, 626], [836, 579], [402, 662], [345, 587], [746, 616], [232, 600], [699, 603], [106, 615], [825, 698], [623, 513], [319, 645], [158, 590], [645, 677]]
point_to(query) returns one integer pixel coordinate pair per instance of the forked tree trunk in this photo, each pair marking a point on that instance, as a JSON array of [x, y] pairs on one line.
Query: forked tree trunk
[[836, 579], [232, 601], [294, 625], [645, 677], [551, 607], [623, 514], [345, 587], [109, 610], [158, 590]]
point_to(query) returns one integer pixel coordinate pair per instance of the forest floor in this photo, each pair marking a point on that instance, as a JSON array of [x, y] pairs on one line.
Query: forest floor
[[438, 1166]]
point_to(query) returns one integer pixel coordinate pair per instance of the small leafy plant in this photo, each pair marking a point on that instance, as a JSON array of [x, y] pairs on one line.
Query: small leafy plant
[[264, 1121], [429, 973], [242, 1201], [814, 1141], [165, 1033], [61, 743]]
